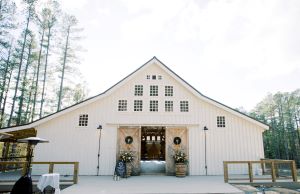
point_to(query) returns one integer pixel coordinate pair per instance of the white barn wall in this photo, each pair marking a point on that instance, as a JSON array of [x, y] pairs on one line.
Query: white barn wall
[[239, 140]]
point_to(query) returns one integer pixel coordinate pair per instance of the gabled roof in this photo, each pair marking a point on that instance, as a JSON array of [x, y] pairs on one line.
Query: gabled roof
[[154, 60]]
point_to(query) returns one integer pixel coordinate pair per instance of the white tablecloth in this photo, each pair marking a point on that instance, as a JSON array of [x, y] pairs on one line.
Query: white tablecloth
[[49, 180]]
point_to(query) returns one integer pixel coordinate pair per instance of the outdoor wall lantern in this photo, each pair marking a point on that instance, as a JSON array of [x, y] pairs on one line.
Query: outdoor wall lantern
[[205, 156], [100, 129]]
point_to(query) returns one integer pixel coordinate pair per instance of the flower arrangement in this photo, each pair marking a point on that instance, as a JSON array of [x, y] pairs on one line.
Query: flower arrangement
[[180, 157], [126, 156]]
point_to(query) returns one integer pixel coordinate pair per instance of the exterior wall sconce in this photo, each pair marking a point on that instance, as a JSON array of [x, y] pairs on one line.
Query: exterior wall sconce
[[205, 147], [98, 165]]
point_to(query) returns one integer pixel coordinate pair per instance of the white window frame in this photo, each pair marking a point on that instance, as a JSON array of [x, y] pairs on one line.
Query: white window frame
[[138, 106], [138, 90], [184, 106], [153, 106], [83, 120], [168, 90], [153, 90], [169, 106], [221, 122], [122, 105]]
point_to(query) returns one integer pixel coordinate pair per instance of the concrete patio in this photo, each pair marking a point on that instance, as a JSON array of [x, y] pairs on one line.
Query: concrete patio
[[151, 185]]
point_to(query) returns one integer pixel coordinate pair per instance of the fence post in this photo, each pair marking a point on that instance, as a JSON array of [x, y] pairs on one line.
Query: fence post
[[250, 171], [273, 173], [75, 174], [294, 170], [51, 167]]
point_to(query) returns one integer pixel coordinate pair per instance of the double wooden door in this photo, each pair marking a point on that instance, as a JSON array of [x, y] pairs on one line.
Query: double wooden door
[[135, 146]]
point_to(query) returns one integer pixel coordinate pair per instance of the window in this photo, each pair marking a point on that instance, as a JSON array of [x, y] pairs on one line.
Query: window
[[138, 105], [153, 105], [148, 76], [169, 106], [138, 90], [160, 77], [184, 106], [220, 121], [83, 120], [168, 90], [154, 77], [122, 105], [153, 90]]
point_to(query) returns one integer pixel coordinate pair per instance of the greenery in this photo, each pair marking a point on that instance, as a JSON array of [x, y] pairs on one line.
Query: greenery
[[39, 46], [180, 157], [281, 111], [126, 156]]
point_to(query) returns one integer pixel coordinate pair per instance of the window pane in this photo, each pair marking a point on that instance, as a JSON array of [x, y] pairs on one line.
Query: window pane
[[138, 105], [184, 106], [168, 90], [83, 120], [153, 105], [153, 90], [122, 105], [138, 90]]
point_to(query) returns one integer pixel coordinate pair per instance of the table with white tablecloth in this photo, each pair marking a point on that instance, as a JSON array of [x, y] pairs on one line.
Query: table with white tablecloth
[[51, 179]]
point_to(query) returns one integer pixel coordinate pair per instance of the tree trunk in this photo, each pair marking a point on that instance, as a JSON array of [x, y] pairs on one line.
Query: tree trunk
[[5, 75], [45, 71], [20, 67], [6, 94], [37, 75], [19, 115], [30, 96], [63, 70]]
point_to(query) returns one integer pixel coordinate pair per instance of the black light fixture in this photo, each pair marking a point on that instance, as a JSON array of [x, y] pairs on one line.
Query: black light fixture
[[98, 166], [205, 129]]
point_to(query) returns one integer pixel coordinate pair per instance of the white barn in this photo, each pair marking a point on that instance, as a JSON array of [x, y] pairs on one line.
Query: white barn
[[153, 105]]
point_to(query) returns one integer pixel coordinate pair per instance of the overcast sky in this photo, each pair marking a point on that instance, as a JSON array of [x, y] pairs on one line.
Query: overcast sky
[[235, 52]]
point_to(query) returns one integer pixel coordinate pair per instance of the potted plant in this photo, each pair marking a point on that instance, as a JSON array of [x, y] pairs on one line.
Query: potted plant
[[180, 159], [127, 158]]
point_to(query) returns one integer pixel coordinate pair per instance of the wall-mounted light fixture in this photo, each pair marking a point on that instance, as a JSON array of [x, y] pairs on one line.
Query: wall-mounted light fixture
[[98, 166], [205, 156]]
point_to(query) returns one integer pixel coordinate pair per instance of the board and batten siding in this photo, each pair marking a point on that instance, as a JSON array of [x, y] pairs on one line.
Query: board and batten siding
[[239, 140]]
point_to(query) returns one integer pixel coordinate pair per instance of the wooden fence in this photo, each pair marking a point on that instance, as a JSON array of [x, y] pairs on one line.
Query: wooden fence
[[274, 170], [51, 168]]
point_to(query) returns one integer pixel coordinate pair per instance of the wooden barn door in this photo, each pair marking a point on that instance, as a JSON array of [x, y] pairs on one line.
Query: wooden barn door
[[171, 133], [134, 147]]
